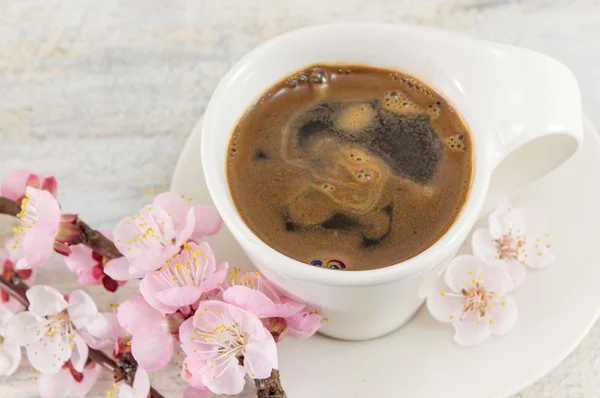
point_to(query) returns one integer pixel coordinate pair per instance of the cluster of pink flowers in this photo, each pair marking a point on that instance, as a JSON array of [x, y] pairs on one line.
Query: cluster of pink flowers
[[226, 321], [472, 293]]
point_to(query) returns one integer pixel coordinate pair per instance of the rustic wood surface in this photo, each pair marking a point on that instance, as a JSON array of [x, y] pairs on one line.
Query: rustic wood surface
[[102, 94]]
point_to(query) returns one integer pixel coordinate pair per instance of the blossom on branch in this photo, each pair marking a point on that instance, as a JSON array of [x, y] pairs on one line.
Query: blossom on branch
[[89, 265], [153, 333], [157, 232], [15, 183], [49, 329], [42, 229], [10, 353], [225, 343], [183, 278], [280, 314]]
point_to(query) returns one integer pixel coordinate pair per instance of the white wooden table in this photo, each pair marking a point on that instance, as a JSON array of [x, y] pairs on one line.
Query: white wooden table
[[102, 94]]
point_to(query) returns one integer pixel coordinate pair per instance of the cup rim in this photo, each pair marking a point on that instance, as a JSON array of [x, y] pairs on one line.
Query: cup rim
[[431, 256]]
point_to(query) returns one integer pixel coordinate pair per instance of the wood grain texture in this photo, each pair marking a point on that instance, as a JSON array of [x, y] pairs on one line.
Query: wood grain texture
[[102, 94]]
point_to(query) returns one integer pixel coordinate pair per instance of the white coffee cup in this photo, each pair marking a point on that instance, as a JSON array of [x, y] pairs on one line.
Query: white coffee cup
[[516, 103]]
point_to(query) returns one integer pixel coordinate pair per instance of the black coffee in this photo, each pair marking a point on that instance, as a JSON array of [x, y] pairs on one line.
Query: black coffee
[[349, 167]]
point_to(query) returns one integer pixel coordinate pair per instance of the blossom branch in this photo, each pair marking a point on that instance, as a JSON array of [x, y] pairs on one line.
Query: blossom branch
[[89, 236], [17, 290]]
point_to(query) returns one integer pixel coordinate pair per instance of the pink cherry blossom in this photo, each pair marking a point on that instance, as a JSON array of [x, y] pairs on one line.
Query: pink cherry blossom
[[223, 335], [67, 379], [50, 328], [10, 353], [157, 232], [102, 332], [42, 229], [14, 184], [304, 324], [516, 238], [140, 388], [253, 292], [183, 278], [152, 333], [473, 298], [8, 271], [89, 266]]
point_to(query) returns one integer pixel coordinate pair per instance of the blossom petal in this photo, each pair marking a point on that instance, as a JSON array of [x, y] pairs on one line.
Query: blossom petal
[[12, 305], [497, 226], [186, 230], [517, 273], [250, 300], [14, 183], [80, 261], [80, 353], [90, 375], [260, 357], [175, 206], [303, 324], [50, 185], [37, 249], [5, 315], [152, 349], [15, 252], [484, 247], [503, 315], [47, 211], [289, 307], [153, 259], [469, 330], [190, 372], [136, 313], [497, 280], [188, 336], [216, 279], [179, 296], [230, 380], [126, 391], [45, 300], [538, 255], [463, 271], [150, 286], [118, 269], [50, 355], [442, 303], [55, 385], [10, 355], [24, 328], [150, 228], [208, 221], [141, 383], [82, 308]]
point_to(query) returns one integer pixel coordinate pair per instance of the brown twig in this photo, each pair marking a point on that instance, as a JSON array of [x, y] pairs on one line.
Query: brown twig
[[267, 388], [17, 291], [270, 387], [96, 241], [9, 207]]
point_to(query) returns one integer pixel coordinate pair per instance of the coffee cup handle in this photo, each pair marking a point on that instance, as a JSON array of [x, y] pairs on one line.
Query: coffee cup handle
[[540, 127]]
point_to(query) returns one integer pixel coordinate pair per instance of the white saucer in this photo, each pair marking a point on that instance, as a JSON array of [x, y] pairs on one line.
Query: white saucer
[[557, 306]]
